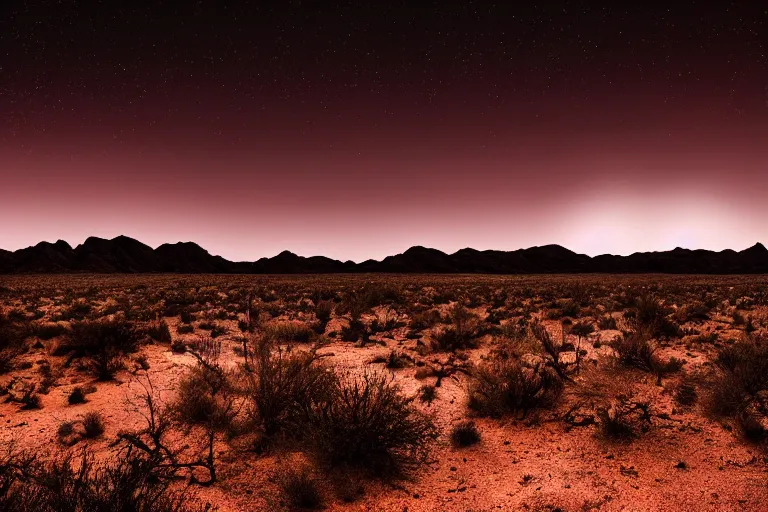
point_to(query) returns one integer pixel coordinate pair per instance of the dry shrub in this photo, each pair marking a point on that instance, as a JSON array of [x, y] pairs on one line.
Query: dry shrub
[[103, 344], [686, 393], [93, 425], [368, 423], [636, 350], [462, 331], [300, 487], [425, 319], [290, 331], [76, 396], [624, 418], [507, 387], [651, 317], [158, 331], [205, 397], [93, 336], [72, 485], [323, 311], [465, 434], [284, 386], [742, 382], [185, 329]]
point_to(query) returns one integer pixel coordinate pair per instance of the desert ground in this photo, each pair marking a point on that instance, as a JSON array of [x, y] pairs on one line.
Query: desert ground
[[383, 392]]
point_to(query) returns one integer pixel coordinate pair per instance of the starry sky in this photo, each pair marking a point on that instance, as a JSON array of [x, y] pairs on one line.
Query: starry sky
[[356, 131]]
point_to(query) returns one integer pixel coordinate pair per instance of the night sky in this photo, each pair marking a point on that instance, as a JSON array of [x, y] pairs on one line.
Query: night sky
[[355, 131]]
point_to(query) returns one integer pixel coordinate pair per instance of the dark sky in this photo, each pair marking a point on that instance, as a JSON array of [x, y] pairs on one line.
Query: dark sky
[[356, 131]]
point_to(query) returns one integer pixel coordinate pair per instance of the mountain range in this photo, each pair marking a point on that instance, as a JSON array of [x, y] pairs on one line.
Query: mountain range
[[126, 255]]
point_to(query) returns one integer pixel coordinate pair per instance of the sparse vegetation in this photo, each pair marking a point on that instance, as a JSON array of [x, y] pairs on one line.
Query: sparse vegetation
[[254, 378], [507, 387]]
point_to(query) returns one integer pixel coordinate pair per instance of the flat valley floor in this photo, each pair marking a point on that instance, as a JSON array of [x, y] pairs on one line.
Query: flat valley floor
[[604, 428]]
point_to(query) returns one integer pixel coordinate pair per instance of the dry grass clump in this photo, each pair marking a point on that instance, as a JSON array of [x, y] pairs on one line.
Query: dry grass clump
[[102, 343], [203, 398], [624, 418], [652, 317], [507, 387], [636, 350], [284, 387], [740, 388], [368, 423], [80, 485], [13, 332], [290, 331], [93, 425], [465, 434], [300, 487], [462, 331]]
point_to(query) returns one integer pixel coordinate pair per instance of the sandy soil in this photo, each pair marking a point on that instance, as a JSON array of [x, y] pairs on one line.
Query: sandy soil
[[536, 463]]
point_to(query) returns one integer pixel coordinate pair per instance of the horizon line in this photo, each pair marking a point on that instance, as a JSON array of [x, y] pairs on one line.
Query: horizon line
[[74, 246]]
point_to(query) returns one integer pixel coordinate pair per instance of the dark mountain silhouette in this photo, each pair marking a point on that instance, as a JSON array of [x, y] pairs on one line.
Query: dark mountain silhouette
[[126, 255]]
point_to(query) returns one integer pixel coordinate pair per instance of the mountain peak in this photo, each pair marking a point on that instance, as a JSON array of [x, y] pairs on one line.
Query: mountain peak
[[123, 254]]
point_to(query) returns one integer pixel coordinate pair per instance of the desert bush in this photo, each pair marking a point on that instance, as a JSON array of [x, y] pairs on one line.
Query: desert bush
[[696, 311], [396, 360], [425, 319], [427, 393], [323, 311], [651, 317], [47, 378], [76, 396], [569, 308], [636, 350], [105, 363], [742, 374], [66, 484], [178, 347], [465, 434], [300, 487], [65, 430], [507, 387], [462, 331], [218, 330], [281, 332], [159, 331], [93, 425], [553, 349], [206, 326], [204, 397], [366, 422], [385, 320], [186, 317], [142, 362], [686, 393], [185, 328], [624, 418], [283, 387], [607, 323], [93, 337]]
